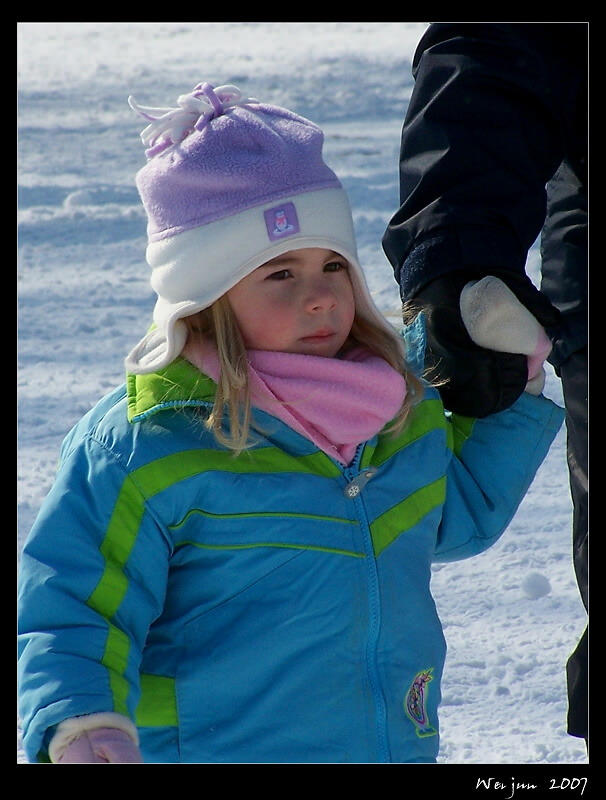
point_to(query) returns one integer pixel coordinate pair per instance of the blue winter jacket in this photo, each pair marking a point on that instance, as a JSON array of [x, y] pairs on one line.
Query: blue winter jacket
[[269, 608]]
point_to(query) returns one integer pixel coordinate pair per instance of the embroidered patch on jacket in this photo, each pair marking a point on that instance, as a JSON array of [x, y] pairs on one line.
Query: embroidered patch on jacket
[[281, 221], [414, 704]]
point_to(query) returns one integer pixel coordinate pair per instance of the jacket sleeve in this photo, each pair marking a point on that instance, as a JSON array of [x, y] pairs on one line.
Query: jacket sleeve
[[492, 464], [487, 126], [92, 579]]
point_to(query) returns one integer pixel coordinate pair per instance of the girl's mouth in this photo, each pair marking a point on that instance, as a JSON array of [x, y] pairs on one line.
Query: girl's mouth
[[319, 336]]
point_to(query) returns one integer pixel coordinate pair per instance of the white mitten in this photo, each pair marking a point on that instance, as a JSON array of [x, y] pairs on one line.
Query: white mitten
[[495, 319]]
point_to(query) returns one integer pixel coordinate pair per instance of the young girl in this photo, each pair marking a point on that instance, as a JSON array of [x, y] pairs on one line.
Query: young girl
[[233, 564]]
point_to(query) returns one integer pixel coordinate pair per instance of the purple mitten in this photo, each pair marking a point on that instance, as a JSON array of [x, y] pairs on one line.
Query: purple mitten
[[536, 359], [102, 746]]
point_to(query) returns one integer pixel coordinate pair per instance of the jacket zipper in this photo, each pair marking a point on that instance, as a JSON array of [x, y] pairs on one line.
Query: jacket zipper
[[356, 482]]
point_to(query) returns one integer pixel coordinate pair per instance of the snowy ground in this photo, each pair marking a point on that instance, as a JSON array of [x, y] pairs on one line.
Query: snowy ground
[[512, 615]]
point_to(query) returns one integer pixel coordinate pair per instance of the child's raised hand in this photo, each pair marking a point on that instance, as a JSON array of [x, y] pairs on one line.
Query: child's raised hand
[[496, 320]]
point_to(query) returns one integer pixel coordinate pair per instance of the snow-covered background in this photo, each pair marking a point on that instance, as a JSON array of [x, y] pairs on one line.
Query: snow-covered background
[[512, 615]]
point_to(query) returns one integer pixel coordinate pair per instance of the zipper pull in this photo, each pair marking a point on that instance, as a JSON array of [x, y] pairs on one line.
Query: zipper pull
[[355, 486]]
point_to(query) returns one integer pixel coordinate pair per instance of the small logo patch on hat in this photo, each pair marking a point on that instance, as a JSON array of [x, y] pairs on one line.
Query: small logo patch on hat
[[281, 221]]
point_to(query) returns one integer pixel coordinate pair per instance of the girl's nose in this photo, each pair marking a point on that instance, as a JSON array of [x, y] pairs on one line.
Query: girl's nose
[[320, 297]]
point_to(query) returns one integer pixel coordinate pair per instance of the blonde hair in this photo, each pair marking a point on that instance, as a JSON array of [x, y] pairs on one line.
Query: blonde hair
[[218, 324]]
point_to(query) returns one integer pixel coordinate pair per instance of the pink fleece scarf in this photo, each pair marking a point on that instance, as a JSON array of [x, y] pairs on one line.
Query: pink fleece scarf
[[337, 403]]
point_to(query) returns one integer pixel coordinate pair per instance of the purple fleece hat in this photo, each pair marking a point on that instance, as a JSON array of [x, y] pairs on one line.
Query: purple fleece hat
[[249, 155], [229, 184]]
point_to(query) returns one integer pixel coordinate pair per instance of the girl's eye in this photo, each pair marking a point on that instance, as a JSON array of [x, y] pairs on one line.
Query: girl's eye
[[280, 275], [335, 266]]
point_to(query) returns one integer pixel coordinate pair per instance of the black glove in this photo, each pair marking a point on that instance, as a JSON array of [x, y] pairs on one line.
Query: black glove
[[477, 382]]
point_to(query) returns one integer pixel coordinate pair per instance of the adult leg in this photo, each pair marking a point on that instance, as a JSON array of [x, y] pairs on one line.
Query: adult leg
[[574, 382]]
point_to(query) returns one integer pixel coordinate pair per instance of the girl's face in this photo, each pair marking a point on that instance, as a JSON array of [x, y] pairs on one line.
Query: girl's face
[[299, 302]]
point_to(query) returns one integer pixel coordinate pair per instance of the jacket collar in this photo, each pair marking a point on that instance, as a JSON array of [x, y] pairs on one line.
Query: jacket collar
[[182, 385], [179, 385]]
